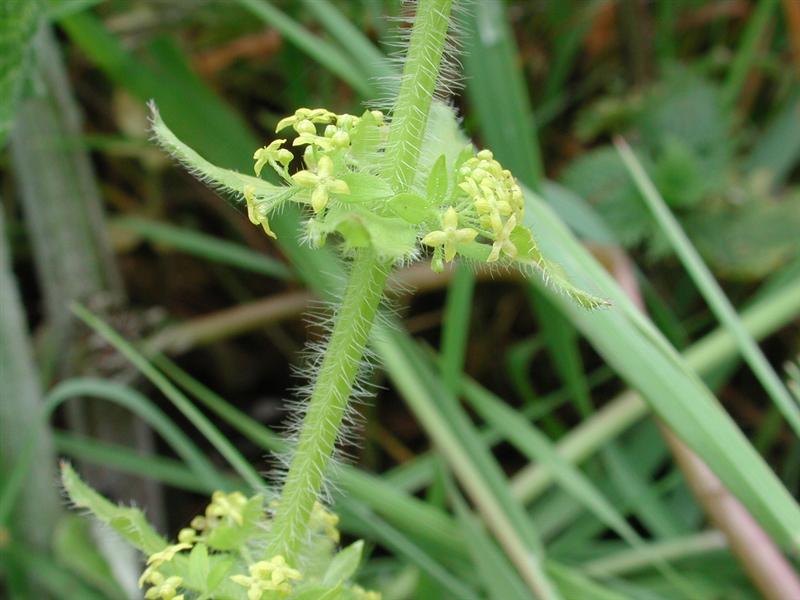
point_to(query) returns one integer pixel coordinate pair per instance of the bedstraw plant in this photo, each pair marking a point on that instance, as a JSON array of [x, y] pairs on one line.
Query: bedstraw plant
[[385, 189]]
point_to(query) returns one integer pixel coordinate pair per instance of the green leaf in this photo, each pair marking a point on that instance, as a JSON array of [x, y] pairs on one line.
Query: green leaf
[[344, 564], [364, 188], [130, 523], [230, 536], [747, 242], [390, 237], [438, 181], [218, 573], [411, 207], [319, 592], [474, 251], [224, 180], [599, 177], [199, 567], [530, 257]]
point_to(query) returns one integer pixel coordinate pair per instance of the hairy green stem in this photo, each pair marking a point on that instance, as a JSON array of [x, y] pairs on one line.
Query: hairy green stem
[[345, 350], [420, 75], [328, 403]]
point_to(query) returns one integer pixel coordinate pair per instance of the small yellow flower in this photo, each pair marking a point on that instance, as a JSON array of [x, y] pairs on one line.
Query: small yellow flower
[[254, 213], [155, 560], [187, 535], [313, 115], [449, 236], [274, 155], [502, 241], [273, 575], [164, 588], [228, 506], [167, 554], [323, 183]]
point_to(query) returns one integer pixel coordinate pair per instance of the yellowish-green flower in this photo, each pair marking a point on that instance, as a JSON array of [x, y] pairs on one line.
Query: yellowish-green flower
[[167, 554], [450, 235], [273, 575], [313, 115], [187, 535], [155, 560], [227, 506], [502, 241], [255, 213], [323, 183], [163, 588], [273, 155]]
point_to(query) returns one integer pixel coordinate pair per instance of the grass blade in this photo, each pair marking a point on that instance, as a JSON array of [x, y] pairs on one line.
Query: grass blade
[[470, 459], [716, 349], [205, 246], [501, 581], [455, 330], [146, 410], [403, 546], [414, 516], [181, 402], [373, 64], [498, 93], [633, 347], [746, 52], [711, 290], [158, 468], [326, 54]]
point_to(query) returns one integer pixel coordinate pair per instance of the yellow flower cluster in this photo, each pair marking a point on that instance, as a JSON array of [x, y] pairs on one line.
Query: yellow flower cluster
[[497, 199], [162, 588], [226, 507], [273, 575], [322, 156], [223, 507]]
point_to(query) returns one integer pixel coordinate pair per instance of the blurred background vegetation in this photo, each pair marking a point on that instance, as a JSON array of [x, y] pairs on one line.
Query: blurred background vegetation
[[707, 94]]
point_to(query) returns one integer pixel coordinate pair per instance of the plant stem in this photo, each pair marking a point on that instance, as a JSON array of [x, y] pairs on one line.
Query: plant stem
[[345, 350], [328, 403], [417, 86]]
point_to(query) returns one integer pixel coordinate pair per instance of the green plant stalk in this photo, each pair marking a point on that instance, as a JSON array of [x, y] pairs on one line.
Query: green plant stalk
[[328, 403], [420, 75], [345, 350]]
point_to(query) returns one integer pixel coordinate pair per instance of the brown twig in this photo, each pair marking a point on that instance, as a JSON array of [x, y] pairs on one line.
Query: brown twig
[[180, 338], [792, 10], [256, 45], [763, 561]]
